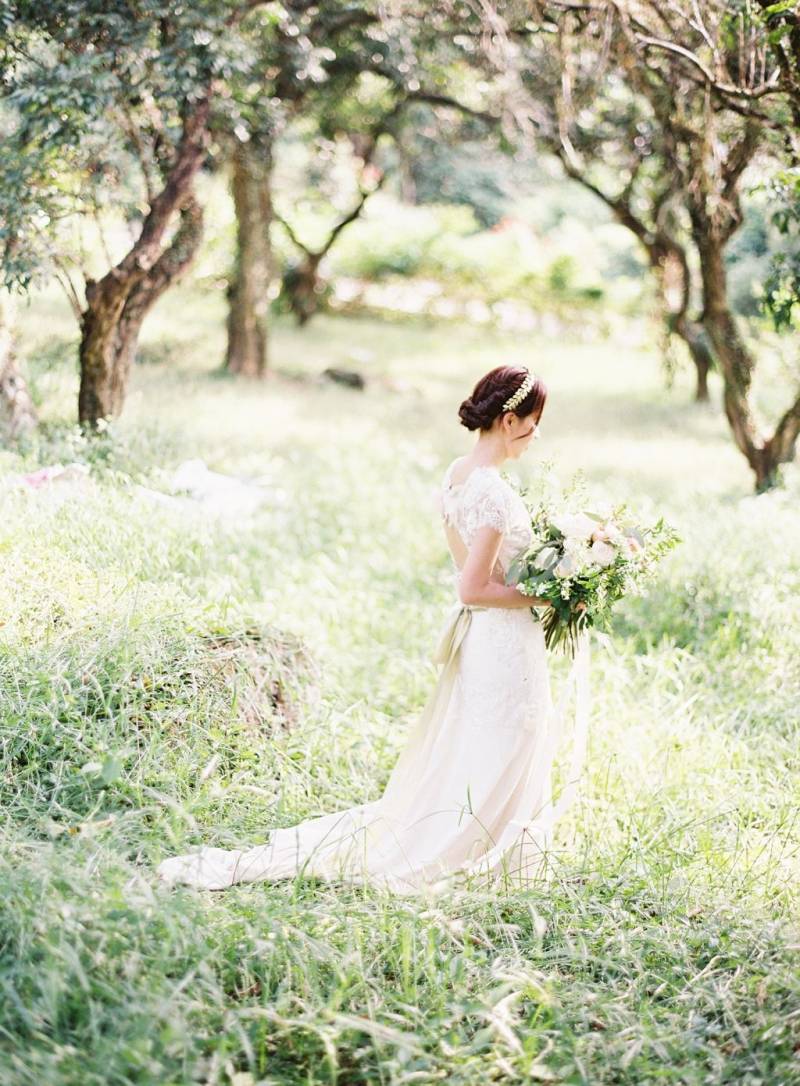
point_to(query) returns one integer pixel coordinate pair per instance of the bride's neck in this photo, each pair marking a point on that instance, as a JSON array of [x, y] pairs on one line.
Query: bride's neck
[[488, 450]]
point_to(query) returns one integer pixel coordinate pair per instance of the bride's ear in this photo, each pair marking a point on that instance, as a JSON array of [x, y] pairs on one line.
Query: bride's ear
[[508, 421]]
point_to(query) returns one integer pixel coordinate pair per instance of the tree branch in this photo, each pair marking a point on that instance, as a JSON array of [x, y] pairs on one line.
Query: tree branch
[[769, 86], [452, 103], [292, 236], [786, 432], [63, 277]]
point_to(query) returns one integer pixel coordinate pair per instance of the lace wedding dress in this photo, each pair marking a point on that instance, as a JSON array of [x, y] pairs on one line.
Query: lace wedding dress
[[469, 798]]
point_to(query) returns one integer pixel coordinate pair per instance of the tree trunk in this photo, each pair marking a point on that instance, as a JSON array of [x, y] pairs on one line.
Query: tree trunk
[[109, 330], [166, 271], [248, 298], [17, 413], [763, 454], [694, 336], [301, 286], [671, 266]]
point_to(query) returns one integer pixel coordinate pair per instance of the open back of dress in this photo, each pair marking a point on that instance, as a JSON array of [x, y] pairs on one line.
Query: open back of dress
[[455, 497]]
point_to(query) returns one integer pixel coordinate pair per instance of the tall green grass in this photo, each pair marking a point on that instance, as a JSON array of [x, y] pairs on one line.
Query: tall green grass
[[664, 950]]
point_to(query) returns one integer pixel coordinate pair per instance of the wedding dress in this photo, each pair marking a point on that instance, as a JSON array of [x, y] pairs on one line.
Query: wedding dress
[[470, 797]]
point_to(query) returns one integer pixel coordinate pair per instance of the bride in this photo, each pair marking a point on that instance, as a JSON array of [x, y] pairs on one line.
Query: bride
[[470, 794]]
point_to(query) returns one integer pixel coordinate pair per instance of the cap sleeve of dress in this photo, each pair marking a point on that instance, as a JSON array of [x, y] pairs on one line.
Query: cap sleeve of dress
[[488, 506]]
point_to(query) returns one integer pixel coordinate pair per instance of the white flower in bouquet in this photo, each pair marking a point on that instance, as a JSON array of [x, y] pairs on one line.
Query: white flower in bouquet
[[607, 533], [576, 558], [581, 552], [603, 553], [575, 525]]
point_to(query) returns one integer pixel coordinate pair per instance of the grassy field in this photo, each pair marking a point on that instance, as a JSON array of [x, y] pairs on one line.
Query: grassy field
[[665, 950]]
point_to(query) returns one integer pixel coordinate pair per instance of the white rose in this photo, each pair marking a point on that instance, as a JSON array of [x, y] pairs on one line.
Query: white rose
[[613, 534], [603, 553], [575, 525], [579, 553]]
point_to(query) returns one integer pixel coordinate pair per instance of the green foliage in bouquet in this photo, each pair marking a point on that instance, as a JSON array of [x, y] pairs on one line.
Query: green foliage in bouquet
[[583, 563]]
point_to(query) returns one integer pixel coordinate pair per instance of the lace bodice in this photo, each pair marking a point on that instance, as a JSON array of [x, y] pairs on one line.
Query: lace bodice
[[485, 498]]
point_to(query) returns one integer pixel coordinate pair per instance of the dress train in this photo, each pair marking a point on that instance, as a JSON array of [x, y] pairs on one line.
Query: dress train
[[466, 804]]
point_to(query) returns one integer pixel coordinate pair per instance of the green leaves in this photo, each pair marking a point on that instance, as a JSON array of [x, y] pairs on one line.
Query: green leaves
[[92, 97], [781, 7]]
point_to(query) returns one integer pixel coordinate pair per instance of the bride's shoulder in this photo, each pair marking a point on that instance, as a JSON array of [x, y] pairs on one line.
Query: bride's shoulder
[[480, 475], [447, 478]]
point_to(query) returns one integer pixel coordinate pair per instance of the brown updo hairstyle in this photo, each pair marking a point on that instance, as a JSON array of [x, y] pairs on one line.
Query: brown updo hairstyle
[[479, 411]]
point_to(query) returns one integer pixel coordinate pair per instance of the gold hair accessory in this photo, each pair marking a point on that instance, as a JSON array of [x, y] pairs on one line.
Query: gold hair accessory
[[521, 393]]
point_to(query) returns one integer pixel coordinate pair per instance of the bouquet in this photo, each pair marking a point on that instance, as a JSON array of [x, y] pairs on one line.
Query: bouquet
[[583, 563]]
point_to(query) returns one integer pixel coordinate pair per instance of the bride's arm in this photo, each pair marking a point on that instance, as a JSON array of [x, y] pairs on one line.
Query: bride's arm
[[475, 585]]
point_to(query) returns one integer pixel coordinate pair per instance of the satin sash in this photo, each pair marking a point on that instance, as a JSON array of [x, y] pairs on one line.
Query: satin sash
[[455, 628]]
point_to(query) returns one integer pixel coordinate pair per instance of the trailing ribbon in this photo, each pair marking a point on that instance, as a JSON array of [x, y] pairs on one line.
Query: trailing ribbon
[[579, 677]]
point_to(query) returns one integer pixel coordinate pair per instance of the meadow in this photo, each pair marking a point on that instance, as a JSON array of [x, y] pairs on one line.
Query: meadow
[[169, 678]]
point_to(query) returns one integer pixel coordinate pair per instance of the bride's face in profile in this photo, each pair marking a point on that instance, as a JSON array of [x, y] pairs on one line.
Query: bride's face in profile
[[519, 433]]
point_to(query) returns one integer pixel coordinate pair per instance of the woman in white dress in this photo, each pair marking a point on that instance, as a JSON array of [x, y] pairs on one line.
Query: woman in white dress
[[470, 794]]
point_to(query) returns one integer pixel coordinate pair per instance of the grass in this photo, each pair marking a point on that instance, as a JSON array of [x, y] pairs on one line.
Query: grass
[[665, 950]]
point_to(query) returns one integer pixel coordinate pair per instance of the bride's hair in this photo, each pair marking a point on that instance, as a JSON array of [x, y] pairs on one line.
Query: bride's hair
[[479, 410]]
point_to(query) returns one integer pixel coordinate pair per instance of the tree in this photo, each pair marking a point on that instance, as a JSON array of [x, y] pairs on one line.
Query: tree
[[553, 89], [312, 57], [609, 140], [782, 287], [715, 87], [94, 88], [302, 286], [374, 68], [370, 70], [710, 81], [756, 73]]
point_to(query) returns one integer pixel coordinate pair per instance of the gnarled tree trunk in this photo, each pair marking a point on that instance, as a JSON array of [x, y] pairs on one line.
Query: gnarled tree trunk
[[166, 271], [694, 336], [671, 267], [764, 453], [302, 285], [117, 303], [714, 221], [248, 298]]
